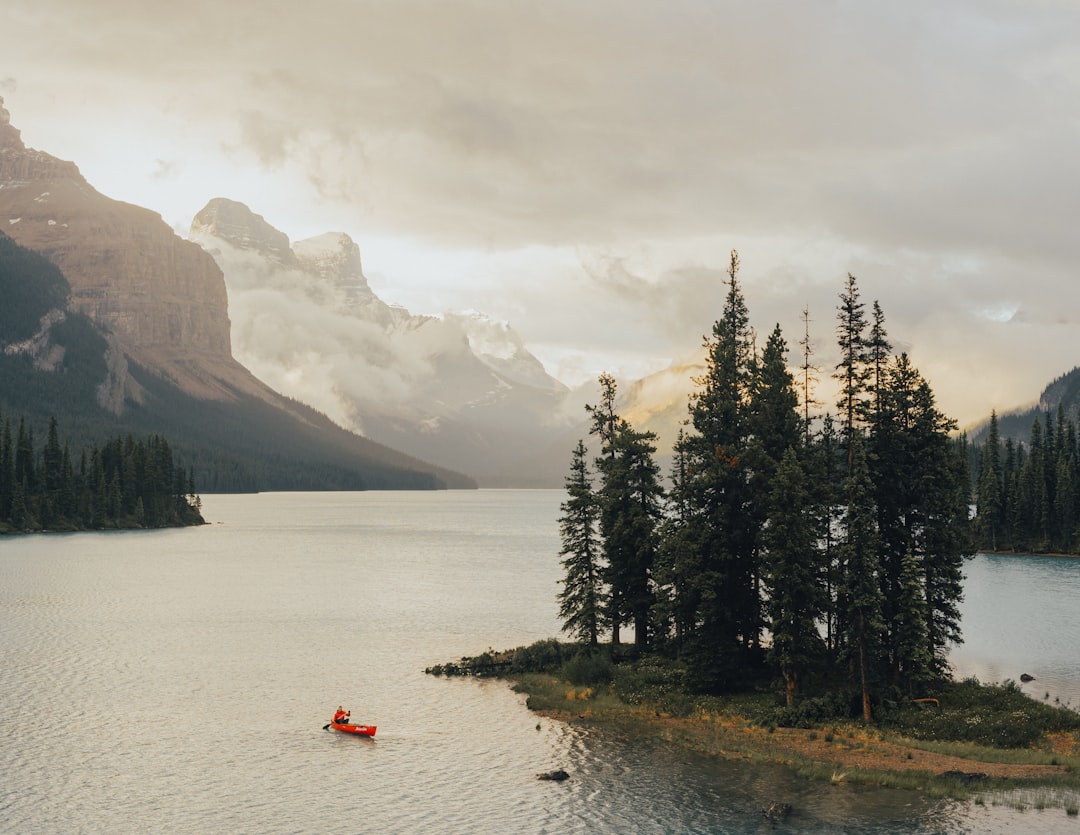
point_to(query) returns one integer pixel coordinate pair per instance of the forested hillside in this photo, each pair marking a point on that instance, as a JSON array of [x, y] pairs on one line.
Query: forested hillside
[[1028, 494]]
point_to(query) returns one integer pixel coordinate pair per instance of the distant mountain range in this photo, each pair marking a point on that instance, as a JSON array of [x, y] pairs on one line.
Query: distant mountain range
[[131, 333], [459, 390]]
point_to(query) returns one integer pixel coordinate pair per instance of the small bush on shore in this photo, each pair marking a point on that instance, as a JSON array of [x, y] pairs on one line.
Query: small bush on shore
[[588, 668], [994, 715]]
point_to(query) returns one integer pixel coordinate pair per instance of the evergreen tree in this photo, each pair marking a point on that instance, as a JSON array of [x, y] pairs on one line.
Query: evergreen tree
[[630, 498], [25, 472], [809, 374], [877, 354], [7, 470], [676, 560], [605, 424], [774, 428], [991, 502], [827, 470], [915, 662], [726, 636], [861, 598], [922, 494], [581, 601], [851, 371], [793, 578]]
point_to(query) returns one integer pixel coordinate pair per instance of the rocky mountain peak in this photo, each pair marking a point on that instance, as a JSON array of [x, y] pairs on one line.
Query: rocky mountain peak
[[9, 136], [161, 298], [235, 224], [19, 164], [334, 255]]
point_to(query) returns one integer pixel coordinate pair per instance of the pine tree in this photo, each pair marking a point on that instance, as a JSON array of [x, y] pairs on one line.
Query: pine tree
[[915, 662], [851, 371], [809, 375], [877, 353], [728, 617], [861, 597], [677, 558], [7, 470], [793, 577], [991, 502], [630, 511], [605, 424], [774, 428], [581, 601]]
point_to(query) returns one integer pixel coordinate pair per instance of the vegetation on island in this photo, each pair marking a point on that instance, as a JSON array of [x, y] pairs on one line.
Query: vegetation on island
[[124, 483], [826, 550], [802, 572]]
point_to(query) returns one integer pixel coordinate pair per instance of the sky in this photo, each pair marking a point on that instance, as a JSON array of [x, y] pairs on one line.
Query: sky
[[583, 170]]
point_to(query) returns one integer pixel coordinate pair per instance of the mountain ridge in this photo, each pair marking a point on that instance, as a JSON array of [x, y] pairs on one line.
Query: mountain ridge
[[159, 306], [459, 389]]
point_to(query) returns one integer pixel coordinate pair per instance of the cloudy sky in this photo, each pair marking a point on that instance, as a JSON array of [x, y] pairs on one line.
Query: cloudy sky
[[583, 169]]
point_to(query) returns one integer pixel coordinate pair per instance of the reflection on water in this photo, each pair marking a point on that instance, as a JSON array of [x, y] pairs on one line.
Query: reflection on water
[[179, 681]]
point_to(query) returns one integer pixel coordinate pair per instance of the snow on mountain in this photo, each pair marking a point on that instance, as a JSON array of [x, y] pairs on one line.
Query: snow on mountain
[[460, 390]]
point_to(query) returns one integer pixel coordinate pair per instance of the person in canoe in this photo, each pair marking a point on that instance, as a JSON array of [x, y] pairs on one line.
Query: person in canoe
[[341, 717]]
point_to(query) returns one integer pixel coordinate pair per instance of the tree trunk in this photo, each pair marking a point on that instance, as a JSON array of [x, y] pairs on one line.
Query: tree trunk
[[862, 669]]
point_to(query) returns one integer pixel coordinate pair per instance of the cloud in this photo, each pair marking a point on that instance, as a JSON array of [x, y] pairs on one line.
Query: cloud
[[586, 167]]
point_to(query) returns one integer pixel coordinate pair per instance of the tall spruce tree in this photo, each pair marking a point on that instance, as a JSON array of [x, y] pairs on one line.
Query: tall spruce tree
[[630, 501], [851, 372], [990, 502], [675, 608], [922, 494], [582, 602], [726, 633], [914, 659], [774, 428], [860, 597], [605, 423], [630, 512], [793, 577]]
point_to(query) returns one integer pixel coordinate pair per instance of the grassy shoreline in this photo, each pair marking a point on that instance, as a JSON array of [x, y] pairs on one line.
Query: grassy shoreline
[[970, 739], [839, 751]]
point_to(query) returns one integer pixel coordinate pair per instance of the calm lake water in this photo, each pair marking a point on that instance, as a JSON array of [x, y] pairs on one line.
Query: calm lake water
[[178, 681]]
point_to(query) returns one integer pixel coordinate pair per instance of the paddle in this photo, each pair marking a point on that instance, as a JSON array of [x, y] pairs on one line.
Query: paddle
[[326, 727]]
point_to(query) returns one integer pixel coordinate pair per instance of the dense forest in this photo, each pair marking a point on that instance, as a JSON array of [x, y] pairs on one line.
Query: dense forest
[[125, 483], [1028, 496], [826, 551]]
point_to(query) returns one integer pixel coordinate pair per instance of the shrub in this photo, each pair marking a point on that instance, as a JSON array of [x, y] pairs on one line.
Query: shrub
[[588, 668], [999, 716], [541, 657], [807, 713], [648, 679]]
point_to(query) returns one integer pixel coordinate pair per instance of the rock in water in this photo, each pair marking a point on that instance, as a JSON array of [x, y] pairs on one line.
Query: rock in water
[[776, 811]]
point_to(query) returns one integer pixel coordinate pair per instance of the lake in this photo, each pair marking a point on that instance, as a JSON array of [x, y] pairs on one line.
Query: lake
[[179, 681]]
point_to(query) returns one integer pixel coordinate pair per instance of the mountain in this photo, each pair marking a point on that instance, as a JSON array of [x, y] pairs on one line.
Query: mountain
[[129, 329], [1063, 393], [459, 390]]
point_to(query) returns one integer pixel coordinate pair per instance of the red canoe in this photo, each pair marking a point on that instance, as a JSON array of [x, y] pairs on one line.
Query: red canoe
[[362, 730]]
